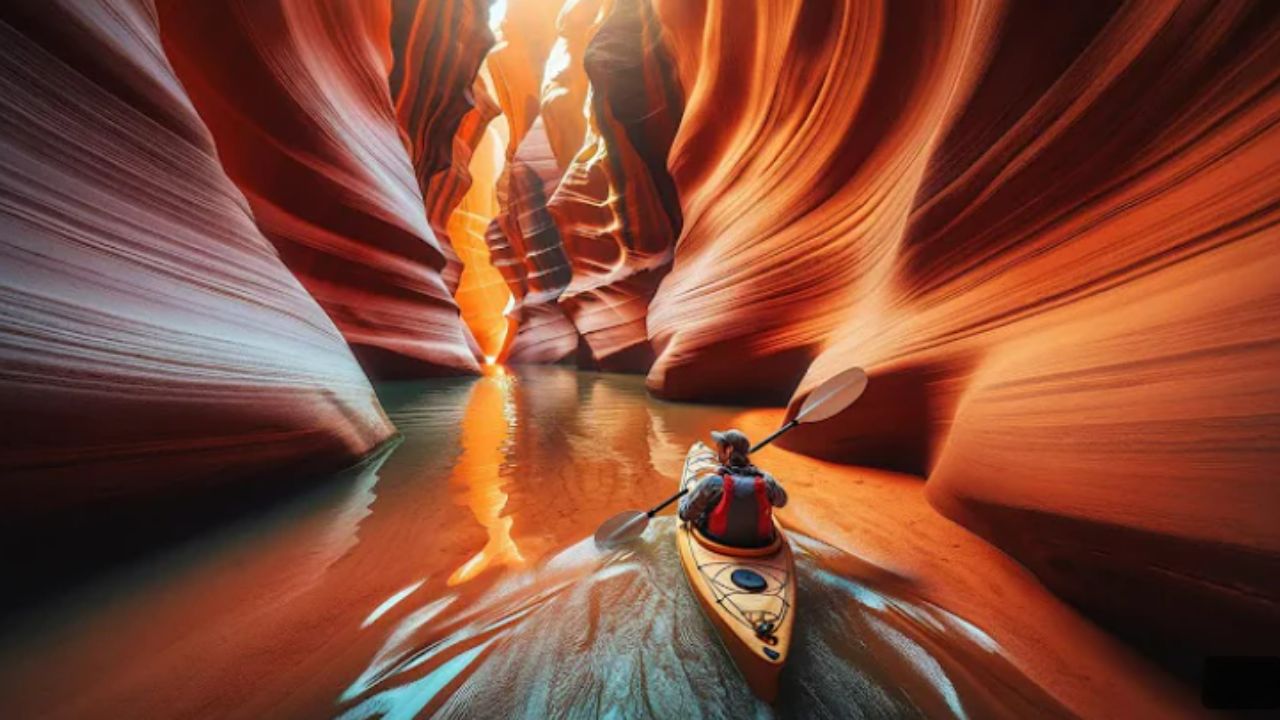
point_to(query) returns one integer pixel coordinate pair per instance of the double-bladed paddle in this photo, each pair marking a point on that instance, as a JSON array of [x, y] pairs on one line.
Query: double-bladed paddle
[[829, 398]]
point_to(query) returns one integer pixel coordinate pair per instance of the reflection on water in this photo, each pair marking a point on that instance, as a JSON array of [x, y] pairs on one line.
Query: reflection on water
[[486, 431], [458, 580], [593, 633]]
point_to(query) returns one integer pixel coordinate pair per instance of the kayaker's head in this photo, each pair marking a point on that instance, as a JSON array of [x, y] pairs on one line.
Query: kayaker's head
[[732, 446]]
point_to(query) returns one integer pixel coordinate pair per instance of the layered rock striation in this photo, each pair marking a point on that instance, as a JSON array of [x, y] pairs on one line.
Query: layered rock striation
[[616, 205], [296, 95], [1050, 236], [438, 47], [526, 243], [151, 340]]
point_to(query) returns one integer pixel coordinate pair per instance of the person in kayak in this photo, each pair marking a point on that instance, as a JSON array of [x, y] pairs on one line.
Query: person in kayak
[[735, 505]]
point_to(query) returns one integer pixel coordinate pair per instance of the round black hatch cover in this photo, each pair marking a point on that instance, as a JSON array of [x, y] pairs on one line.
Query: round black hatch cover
[[748, 580]]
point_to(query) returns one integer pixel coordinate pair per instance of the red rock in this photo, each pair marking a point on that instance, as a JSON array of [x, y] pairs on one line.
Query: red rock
[[439, 46], [616, 205], [529, 251], [151, 340], [296, 95], [1050, 237]]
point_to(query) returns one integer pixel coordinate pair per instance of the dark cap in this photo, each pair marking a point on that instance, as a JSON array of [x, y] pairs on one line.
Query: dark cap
[[733, 438]]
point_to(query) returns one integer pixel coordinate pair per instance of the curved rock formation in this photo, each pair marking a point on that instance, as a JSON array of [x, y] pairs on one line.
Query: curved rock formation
[[616, 206], [1049, 234], [544, 334], [527, 247], [296, 96], [438, 47], [482, 292], [151, 341], [565, 86], [790, 188]]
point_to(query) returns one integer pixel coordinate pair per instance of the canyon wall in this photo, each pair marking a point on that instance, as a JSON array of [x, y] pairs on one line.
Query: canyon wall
[[151, 339], [437, 47], [525, 242], [1048, 233], [616, 206], [482, 292], [297, 96], [589, 212]]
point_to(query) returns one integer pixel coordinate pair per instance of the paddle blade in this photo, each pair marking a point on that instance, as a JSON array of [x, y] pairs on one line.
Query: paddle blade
[[832, 396], [621, 528]]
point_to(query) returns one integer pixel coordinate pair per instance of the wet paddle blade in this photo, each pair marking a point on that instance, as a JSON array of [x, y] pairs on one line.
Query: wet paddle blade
[[833, 396], [621, 528]]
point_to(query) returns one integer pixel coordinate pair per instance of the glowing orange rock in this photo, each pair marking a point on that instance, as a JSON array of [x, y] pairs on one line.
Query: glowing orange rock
[[1049, 235], [616, 206], [152, 344], [788, 187], [482, 292], [296, 96], [439, 46], [565, 87], [530, 252]]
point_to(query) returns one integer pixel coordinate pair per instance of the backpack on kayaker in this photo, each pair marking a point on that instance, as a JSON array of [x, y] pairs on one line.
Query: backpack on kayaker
[[744, 516]]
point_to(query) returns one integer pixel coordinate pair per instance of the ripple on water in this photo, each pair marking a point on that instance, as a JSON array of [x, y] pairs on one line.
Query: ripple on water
[[593, 633]]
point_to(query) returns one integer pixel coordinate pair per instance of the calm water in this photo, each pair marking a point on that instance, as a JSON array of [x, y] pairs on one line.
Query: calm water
[[454, 576]]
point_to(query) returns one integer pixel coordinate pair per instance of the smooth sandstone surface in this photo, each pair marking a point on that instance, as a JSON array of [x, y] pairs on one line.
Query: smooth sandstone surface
[[296, 95], [437, 47], [1050, 237], [151, 339], [616, 205], [482, 292]]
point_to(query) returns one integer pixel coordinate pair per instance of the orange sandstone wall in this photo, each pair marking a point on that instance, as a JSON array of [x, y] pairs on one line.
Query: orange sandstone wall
[[438, 46], [589, 212], [616, 206], [1048, 232], [482, 293], [296, 95], [152, 343], [527, 246]]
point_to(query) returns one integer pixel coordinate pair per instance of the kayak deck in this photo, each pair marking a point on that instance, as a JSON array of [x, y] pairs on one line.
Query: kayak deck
[[742, 591]]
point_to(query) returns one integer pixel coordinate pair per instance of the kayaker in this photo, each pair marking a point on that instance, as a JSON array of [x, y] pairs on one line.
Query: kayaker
[[742, 516]]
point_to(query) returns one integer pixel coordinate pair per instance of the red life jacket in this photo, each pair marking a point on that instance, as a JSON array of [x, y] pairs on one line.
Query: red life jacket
[[718, 519]]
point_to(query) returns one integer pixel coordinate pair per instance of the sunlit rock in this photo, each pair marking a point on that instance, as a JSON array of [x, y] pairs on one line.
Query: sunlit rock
[[482, 292], [438, 47], [531, 254], [1049, 236], [296, 95], [791, 188], [616, 205], [151, 341]]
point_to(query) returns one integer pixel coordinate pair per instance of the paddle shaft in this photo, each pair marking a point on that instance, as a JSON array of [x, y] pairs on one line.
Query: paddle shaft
[[776, 434], [658, 508]]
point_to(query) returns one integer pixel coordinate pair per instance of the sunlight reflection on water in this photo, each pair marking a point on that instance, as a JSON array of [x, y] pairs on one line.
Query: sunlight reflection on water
[[487, 428], [593, 633], [454, 576]]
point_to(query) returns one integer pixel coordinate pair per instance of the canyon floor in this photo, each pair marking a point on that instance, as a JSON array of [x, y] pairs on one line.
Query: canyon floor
[[453, 575]]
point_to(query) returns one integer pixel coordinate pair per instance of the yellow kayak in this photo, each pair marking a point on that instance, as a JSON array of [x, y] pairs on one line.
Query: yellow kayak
[[749, 594]]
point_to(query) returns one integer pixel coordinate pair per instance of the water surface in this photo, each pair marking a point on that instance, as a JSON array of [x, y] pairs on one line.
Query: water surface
[[454, 576]]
